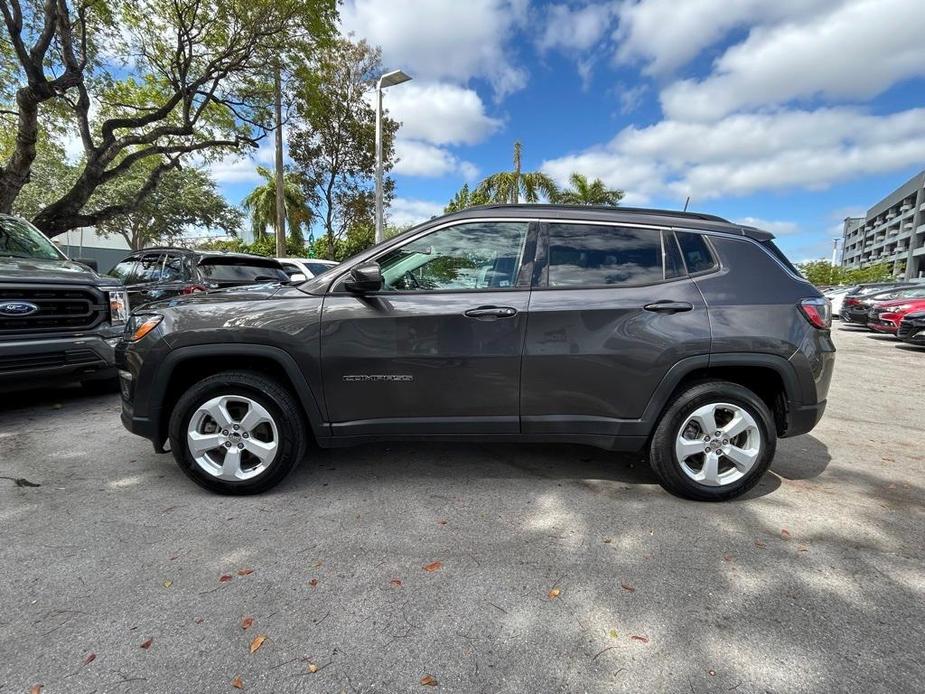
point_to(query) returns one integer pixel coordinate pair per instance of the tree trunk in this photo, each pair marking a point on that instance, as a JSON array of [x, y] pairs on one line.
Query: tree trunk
[[280, 181], [15, 174]]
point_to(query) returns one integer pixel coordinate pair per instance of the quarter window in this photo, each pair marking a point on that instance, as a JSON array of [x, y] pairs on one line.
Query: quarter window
[[473, 256], [598, 255], [696, 252]]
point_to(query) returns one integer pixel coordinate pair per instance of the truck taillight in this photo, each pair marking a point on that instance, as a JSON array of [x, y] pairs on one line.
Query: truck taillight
[[192, 289], [818, 312]]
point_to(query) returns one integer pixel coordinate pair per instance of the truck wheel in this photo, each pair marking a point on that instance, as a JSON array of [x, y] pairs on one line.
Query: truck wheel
[[714, 442], [237, 432]]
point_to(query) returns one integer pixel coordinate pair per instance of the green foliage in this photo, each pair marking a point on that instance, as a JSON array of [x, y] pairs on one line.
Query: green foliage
[[260, 204], [185, 199], [334, 146], [585, 192], [357, 239], [822, 273], [510, 186], [465, 198], [265, 246]]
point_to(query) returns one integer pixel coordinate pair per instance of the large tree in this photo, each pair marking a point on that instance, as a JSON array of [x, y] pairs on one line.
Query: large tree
[[334, 146], [185, 200], [510, 186], [466, 198], [585, 192], [260, 204], [199, 81]]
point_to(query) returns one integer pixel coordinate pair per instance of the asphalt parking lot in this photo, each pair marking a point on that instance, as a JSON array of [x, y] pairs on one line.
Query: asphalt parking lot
[[552, 569]]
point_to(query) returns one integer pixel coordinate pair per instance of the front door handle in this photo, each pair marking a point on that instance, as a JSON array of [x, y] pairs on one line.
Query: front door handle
[[491, 312], [669, 307]]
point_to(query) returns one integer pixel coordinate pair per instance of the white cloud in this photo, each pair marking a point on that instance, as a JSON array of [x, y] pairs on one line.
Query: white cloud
[[405, 211], [423, 159], [440, 113], [667, 34], [575, 28], [776, 227], [238, 168], [443, 39], [745, 153], [857, 50]]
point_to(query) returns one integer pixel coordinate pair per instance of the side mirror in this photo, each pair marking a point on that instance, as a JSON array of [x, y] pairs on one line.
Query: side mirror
[[364, 278], [296, 277]]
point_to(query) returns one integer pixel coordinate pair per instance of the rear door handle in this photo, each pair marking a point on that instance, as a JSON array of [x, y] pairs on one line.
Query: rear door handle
[[669, 307], [491, 312]]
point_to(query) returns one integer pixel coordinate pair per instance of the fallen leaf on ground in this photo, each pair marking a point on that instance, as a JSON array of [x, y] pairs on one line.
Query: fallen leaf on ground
[[607, 540], [147, 644], [712, 673], [224, 578], [313, 582], [784, 533], [727, 557], [643, 639], [442, 521], [36, 689], [627, 587], [90, 658], [257, 642], [174, 556], [318, 564], [613, 633], [553, 594], [237, 683], [312, 667], [168, 583], [395, 583], [245, 572], [433, 566], [759, 544], [429, 681], [246, 623], [802, 548], [199, 620]]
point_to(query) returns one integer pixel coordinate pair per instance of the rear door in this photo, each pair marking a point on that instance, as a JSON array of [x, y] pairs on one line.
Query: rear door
[[142, 285], [438, 349], [612, 310]]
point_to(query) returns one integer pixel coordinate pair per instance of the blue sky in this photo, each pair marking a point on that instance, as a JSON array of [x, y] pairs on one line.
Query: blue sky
[[788, 114]]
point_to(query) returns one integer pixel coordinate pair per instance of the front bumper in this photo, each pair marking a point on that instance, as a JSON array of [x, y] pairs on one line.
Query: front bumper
[[84, 357], [912, 331]]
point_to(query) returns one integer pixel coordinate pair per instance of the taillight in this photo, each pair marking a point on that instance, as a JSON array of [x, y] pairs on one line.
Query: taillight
[[192, 289], [818, 312]]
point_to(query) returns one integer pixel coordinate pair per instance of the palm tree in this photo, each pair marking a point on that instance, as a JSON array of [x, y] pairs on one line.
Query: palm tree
[[261, 205], [508, 186], [584, 192]]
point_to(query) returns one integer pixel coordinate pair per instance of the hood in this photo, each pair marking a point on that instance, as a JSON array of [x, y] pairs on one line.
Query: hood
[[40, 270], [250, 292]]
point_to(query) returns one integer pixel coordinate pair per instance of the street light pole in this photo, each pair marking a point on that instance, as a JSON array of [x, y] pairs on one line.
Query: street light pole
[[389, 79]]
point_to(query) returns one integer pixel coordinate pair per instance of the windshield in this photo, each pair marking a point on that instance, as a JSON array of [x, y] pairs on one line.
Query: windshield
[[318, 268], [241, 270], [19, 239]]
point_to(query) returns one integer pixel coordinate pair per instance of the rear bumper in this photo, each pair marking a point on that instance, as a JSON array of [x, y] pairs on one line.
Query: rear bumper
[[804, 418], [69, 358]]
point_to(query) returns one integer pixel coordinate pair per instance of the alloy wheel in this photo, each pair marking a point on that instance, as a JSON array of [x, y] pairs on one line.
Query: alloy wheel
[[718, 444], [232, 437]]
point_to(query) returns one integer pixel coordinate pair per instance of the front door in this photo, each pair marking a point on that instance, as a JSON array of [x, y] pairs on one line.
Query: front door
[[438, 349]]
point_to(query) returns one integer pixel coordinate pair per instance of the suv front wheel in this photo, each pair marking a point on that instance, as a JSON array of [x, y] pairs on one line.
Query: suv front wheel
[[714, 442], [237, 432]]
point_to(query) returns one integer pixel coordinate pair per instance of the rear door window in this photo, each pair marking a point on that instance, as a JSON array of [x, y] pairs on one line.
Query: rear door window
[[595, 255], [150, 268]]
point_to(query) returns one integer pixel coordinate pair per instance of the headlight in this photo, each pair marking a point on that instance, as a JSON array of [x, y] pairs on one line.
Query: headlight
[[118, 306], [140, 325]]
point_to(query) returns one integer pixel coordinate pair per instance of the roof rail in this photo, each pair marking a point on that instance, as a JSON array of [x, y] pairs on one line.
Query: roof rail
[[630, 210]]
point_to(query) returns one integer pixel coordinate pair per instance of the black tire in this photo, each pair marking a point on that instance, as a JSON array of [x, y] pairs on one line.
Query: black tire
[[662, 454], [270, 394]]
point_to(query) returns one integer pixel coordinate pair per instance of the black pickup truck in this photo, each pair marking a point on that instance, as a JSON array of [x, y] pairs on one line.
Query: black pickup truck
[[58, 318]]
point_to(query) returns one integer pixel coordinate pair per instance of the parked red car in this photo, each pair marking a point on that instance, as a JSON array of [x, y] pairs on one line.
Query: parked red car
[[884, 316]]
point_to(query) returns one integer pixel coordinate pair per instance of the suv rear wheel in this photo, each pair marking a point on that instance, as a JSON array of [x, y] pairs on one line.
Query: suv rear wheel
[[237, 432], [714, 442]]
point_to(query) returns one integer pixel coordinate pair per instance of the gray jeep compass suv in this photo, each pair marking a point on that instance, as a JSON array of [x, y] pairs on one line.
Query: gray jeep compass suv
[[617, 328]]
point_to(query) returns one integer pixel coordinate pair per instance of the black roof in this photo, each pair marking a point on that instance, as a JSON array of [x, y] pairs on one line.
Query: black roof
[[639, 215], [196, 251]]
